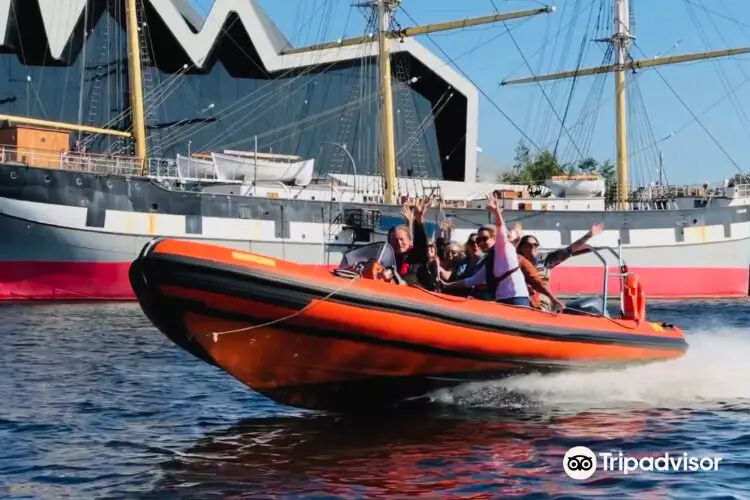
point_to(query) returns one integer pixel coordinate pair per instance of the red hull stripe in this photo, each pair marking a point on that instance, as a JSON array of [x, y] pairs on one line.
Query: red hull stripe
[[109, 281]]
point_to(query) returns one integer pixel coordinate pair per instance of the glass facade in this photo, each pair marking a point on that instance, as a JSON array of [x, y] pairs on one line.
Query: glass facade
[[231, 102]]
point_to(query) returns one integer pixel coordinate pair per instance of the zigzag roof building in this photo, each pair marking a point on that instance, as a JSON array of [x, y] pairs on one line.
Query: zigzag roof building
[[217, 83]]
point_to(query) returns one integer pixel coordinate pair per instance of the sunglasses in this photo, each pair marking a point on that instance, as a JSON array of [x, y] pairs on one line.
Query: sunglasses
[[533, 244], [482, 238]]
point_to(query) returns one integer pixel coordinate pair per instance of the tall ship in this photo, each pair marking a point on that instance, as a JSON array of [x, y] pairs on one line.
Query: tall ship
[[123, 120]]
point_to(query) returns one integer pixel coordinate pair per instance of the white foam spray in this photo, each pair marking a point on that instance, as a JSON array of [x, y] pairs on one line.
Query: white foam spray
[[714, 371]]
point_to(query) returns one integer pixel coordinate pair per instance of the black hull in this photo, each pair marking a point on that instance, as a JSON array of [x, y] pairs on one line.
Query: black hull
[[100, 192]]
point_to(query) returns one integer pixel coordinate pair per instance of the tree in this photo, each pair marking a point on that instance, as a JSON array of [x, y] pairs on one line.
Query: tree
[[608, 172], [531, 169], [534, 169], [588, 166]]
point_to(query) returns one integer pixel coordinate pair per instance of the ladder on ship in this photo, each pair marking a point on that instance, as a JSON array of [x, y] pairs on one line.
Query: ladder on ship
[[411, 143], [150, 96], [345, 137], [101, 73]]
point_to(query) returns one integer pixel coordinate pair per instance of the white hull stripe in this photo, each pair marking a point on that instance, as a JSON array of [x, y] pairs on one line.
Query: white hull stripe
[[214, 228]]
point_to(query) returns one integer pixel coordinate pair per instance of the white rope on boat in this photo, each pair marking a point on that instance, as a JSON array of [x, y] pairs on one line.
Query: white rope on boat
[[289, 316]]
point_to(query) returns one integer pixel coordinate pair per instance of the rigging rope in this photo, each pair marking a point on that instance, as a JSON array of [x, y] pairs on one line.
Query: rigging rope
[[693, 115], [539, 84], [581, 52], [478, 87]]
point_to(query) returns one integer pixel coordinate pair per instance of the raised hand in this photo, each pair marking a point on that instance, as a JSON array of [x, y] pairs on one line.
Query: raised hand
[[420, 209], [597, 229], [491, 202], [446, 225], [517, 228], [406, 213]]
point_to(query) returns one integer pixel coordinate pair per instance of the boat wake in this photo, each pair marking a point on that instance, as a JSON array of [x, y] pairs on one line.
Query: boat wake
[[712, 373]]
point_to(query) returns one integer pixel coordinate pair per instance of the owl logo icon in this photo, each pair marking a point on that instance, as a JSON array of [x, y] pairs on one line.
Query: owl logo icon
[[579, 463]]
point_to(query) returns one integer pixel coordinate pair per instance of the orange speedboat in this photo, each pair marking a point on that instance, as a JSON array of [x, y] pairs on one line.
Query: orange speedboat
[[354, 338]]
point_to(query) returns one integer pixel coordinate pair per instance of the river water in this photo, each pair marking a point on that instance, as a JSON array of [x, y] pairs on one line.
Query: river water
[[95, 403]]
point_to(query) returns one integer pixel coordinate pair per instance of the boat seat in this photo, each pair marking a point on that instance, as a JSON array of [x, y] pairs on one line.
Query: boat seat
[[585, 306]]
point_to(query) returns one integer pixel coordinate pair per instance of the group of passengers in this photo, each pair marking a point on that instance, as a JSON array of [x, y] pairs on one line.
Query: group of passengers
[[494, 264]]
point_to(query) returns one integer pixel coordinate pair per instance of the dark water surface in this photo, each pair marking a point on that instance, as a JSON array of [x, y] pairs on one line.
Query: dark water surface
[[95, 403]]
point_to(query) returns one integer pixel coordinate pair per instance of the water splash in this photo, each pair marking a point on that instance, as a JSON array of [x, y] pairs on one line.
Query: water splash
[[713, 372]]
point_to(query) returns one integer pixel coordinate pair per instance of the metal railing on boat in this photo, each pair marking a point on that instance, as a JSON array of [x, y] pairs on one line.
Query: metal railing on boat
[[621, 266]]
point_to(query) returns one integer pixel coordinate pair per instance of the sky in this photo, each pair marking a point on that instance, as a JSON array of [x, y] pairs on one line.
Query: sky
[[695, 114]]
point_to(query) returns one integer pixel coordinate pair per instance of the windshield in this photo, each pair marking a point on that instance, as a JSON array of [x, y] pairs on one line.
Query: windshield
[[380, 251]]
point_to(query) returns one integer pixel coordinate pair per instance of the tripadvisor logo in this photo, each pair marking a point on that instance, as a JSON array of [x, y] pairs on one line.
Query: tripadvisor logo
[[581, 463]]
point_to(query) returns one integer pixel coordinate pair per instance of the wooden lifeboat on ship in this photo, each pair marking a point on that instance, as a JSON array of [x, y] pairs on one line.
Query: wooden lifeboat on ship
[[355, 339]]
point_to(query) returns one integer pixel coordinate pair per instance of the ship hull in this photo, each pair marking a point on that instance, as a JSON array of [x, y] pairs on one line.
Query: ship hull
[[72, 236]]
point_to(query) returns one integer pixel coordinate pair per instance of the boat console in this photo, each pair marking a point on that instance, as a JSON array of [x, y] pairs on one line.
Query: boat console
[[586, 306]]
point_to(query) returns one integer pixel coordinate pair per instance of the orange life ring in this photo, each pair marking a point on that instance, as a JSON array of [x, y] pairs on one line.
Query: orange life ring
[[633, 299]]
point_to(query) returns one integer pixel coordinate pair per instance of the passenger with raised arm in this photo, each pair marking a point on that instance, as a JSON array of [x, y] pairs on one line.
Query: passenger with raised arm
[[538, 289], [412, 254], [502, 273], [528, 246]]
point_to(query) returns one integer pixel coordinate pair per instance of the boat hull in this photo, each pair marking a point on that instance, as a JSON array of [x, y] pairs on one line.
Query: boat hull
[[308, 339], [68, 235]]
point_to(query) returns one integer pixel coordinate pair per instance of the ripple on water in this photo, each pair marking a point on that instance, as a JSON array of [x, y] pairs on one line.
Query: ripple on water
[[96, 402]]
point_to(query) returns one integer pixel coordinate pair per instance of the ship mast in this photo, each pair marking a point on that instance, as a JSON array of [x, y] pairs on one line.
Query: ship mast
[[384, 10], [136, 87], [77, 127], [621, 39], [387, 142]]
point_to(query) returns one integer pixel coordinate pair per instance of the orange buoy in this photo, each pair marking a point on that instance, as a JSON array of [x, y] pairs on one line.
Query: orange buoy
[[633, 299]]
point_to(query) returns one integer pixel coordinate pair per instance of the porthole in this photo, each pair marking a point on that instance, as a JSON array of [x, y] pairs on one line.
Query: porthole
[[47, 179], [13, 175], [79, 181]]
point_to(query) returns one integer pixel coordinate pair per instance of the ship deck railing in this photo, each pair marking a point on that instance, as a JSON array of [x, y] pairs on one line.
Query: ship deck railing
[[686, 191], [93, 163]]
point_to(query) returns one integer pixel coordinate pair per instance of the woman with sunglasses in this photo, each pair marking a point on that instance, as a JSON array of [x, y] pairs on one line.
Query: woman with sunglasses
[[502, 273], [528, 247], [470, 262], [540, 296]]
